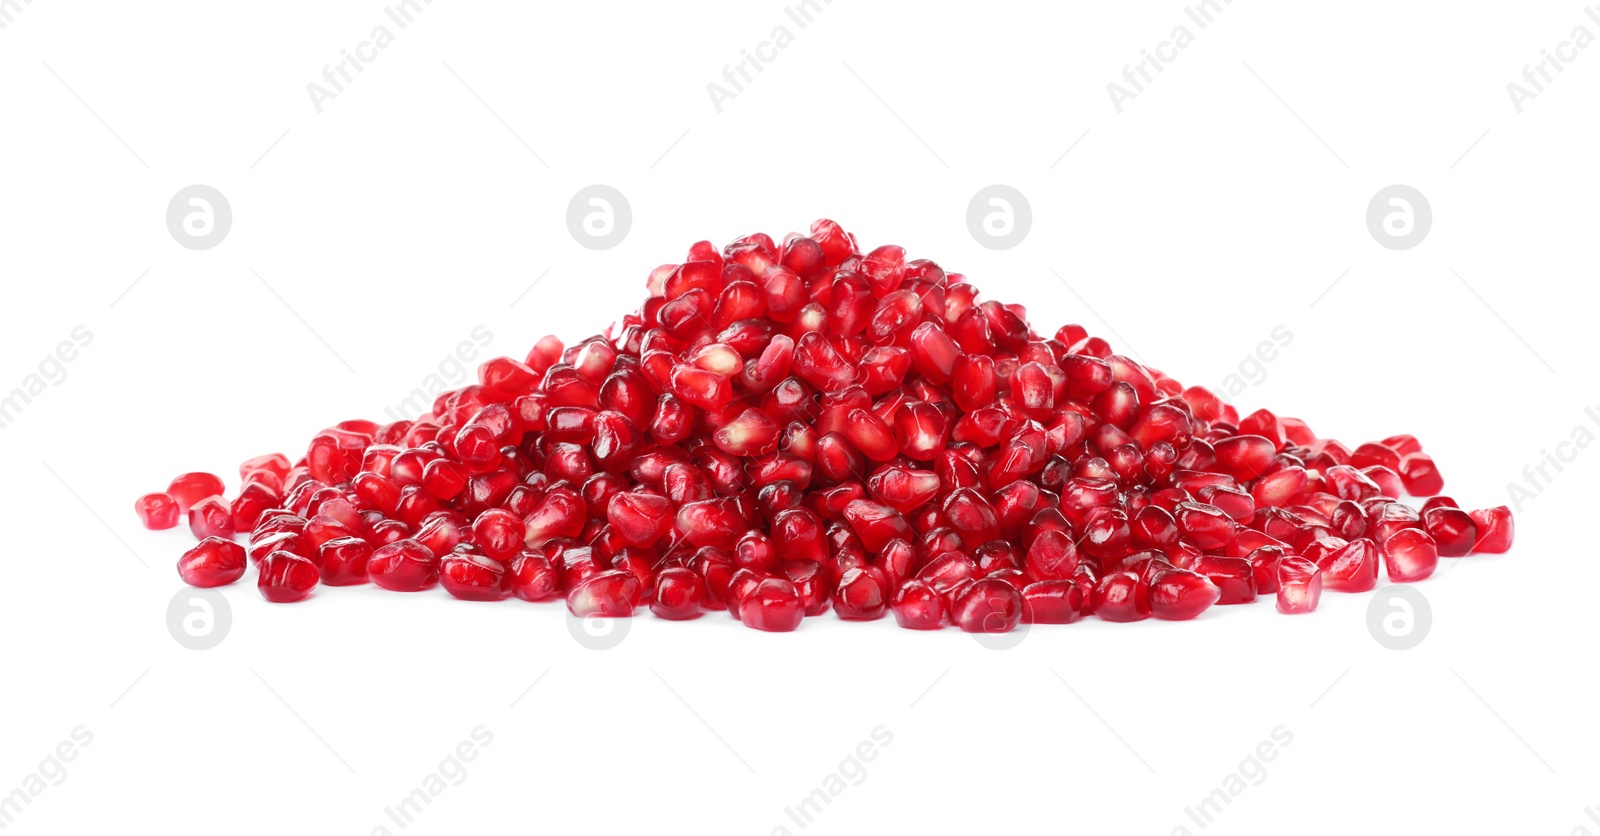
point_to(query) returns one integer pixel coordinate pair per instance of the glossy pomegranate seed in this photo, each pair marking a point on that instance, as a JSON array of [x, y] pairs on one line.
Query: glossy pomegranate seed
[[1118, 597], [157, 511], [1052, 602], [1351, 567], [1495, 530], [1410, 555], [532, 577], [679, 594], [1179, 594], [989, 605], [1452, 529], [1299, 585], [1234, 577], [211, 517], [286, 578], [403, 566], [188, 489], [473, 577], [862, 594], [1419, 474], [773, 605], [639, 518], [610, 594], [215, 561], [343, 561]]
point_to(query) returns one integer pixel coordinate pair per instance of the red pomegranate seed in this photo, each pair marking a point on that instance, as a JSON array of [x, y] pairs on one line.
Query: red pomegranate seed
[[1234, 577], [773, 605], [473, 577], [1299, 585], [286, 578], [917, 606], [211, 517], [1410, 555], [679, 594], [610, 594], [188, 489], [403, 566], [215, 561], [1117, 597], [862, 594], [1495, 530], [1180, 594], [1452, 529], [1052, 602], [344, 561], [989, 605], [157, 511]]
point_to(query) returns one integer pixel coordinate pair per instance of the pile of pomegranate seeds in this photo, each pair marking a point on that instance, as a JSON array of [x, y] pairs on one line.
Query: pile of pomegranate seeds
[[782, 429]]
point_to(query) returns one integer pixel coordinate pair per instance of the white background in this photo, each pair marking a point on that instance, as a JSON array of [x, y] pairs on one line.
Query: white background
[[426, 198]]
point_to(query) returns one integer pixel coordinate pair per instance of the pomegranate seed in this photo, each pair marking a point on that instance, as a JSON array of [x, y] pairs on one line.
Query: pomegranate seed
[[1299, 585], [1234, 577], [211, 517], [862, 594], [917, 606], [473, 577], [1052, 602], [1453, 529], [772, 605], [1410, 555], [989, 605], [1179, 594], [215, 561], [344, 561], [286, 578], [403, 566], [188, 489], [532, 577], [678, 595], [157, 511], [1495, 530]]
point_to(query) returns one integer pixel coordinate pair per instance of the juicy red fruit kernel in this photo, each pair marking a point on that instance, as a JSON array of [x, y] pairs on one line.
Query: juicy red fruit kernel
[[787, 426], [286, 578], [157, 511], [213, 562]]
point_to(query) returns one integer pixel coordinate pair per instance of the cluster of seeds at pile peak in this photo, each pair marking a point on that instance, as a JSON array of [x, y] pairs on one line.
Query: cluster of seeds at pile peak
[[787, 428]]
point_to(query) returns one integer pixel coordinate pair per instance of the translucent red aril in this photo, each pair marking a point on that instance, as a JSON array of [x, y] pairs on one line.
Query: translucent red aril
[[1452, 529], [1495, 530], [862, 594], [1299, 585], [773, 605], [286, 578], [989, 605], [473, 577], [157, 511], [1052, 602], [344, 561], [189, 488], [215, 561], [211, 517], [678, 595], [787, 426], [403, 566], [1410, 555]]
